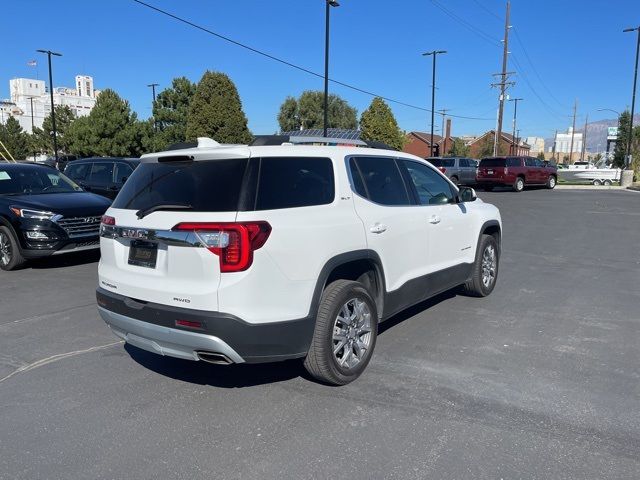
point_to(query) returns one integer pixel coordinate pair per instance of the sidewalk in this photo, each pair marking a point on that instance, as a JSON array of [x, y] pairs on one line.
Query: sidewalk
[[588, 187]]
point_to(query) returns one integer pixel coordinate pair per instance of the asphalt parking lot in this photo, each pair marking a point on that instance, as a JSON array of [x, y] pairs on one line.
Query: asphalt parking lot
[[539, 380]]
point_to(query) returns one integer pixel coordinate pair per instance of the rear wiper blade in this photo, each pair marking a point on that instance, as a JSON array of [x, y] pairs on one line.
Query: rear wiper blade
[[163, 206]]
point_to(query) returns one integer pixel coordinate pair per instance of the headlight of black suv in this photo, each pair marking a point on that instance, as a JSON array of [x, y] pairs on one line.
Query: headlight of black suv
[[33, 214]]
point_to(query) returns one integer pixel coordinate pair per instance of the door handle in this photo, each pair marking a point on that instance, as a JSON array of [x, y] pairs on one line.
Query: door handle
[[378, 228], [434, 219]]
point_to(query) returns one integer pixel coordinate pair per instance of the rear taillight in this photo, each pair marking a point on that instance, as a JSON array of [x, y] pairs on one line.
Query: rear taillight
[[504, 170], [234, 243], [107, 220], [442, 169]]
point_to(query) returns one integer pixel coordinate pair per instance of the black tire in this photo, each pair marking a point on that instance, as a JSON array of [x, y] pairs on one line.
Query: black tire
[[455, 180], [475, 287], [321, 362], [551, 182], [10, 255], [488, 189], [607, 183], [518, 185], [597, 182]]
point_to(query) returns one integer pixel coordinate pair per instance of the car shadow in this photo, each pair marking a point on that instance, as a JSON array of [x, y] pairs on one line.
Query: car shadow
[[250, 375], [64, 260]]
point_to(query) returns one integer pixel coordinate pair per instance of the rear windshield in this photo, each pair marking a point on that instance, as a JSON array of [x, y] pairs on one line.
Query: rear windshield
[[493, 162], [206, 186], [442, 162]]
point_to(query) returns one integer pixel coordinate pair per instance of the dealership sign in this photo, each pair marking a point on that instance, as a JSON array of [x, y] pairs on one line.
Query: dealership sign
[[612, 133]]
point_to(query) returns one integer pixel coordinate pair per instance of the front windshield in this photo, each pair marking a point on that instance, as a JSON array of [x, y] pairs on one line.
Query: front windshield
[[29, 180]]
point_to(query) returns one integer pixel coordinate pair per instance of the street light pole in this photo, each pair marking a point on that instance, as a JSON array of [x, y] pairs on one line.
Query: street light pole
[[153, 90], [53, 111], [515, 116], [433, 93], [633, 97], [329, 4]]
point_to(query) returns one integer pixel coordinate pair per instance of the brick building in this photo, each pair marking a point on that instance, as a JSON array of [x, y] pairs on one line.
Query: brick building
[[482, 146], [419, 143]]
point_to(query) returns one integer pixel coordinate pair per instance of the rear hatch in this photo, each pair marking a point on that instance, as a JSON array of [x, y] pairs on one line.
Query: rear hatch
[[165, 235], [492, 168]]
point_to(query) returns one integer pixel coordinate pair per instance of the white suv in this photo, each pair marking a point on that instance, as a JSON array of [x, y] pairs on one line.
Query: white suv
[[232, 254]]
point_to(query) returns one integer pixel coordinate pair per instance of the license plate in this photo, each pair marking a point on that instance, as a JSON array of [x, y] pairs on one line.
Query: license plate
[[489, 172], [143, 254]]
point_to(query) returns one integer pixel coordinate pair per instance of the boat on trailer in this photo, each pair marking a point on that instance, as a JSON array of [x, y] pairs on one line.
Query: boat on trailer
[[586, 171]]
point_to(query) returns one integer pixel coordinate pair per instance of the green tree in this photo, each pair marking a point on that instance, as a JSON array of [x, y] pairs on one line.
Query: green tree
[[620, 149], [540, 155], [111, 129], [42, 138], [170, 112], [378, 123], [486, 148], [459, 148], [14, 139], [216, 111], [309, 112]]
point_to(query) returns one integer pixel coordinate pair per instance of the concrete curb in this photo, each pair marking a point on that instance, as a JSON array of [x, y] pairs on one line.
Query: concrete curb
[[588, 187]]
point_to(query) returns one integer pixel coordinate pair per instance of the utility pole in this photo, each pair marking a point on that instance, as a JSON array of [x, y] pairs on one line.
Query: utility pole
[[584, 138], [503, 79], [515, 117], [153, 91], [573, 131], [633, 97], [555, 139], [53, 111], [443, 112], [433, 94]]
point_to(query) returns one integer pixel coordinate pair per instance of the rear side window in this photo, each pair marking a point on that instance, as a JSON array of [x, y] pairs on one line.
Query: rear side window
[[463, 162], [206, 186], [530, 162], [492, 162], [123, 172], [77, 171], [290, 182], [380, 179], [513, 162], [442, 162], [101, 173]]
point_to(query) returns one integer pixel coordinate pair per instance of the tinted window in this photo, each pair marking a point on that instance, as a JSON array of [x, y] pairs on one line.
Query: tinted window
[[289, 182], [530, 162], [513, 162], [443, 162], [431, 188], [463, 162], [33, 181], [77, 171], [101, 173], [492, 162], [123, 171], [207, 186], [381, 179]]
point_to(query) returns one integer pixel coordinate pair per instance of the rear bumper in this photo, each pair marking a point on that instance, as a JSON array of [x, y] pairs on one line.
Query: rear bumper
[[152, 326]]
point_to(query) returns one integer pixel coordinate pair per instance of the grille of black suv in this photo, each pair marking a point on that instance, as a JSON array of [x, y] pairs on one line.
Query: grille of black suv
[[80, 226]]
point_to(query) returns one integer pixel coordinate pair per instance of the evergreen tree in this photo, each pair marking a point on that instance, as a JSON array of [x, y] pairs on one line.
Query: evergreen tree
[[540, 155], [459, 148], [309, 112], [216, 111], [378, 123], [111, 129], [42, 138], [620, 149], [170, 113], [486, 149], [14, 139]]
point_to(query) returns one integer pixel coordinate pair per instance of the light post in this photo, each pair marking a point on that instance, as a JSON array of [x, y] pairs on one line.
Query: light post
[[515, 117], [633, 96], [328, 5], [433, 93], [53, 111], [153, 91]]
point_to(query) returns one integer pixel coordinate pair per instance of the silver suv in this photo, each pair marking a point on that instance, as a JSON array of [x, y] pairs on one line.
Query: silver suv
[[458, 170]]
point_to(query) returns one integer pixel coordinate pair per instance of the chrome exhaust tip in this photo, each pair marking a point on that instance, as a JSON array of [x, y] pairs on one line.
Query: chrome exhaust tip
[[213, 357]]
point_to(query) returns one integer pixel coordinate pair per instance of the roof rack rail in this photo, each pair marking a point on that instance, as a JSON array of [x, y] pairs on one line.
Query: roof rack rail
[[271, 140]]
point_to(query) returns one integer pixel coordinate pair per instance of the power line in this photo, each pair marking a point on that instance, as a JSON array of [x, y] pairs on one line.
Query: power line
[[495, 15], [289, 64], [485, 36]]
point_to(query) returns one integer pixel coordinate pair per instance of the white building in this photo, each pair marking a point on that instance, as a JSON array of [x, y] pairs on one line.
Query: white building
[[537, 145], [30, 101], [563, 141]]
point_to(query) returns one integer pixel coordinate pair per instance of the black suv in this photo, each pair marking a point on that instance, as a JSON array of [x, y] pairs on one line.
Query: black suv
[[102, 175], [44, 213]]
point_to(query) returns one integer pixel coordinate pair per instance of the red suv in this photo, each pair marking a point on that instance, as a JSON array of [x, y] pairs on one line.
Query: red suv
[[515, 172]]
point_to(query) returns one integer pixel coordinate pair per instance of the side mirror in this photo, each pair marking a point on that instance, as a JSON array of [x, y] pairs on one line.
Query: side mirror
[[467, 194]]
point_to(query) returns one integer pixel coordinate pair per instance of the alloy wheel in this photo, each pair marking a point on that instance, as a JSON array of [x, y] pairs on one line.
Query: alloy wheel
[[5, 249], [352, 333], [489, 266]]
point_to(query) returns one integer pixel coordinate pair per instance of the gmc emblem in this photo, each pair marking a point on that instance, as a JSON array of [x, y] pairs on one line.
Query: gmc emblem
[[134, 233]]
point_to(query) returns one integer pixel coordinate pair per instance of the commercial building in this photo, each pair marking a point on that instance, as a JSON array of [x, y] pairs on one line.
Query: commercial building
[[563, 142], [536, 143], [30, 103]]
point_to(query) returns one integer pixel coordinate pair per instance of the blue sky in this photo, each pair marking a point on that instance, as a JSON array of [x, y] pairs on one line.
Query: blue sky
[[561, 50]]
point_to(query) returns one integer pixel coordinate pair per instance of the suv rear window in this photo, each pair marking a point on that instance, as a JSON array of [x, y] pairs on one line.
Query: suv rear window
[[207, 186], [493, 162], [442, 162], [290, 182]]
